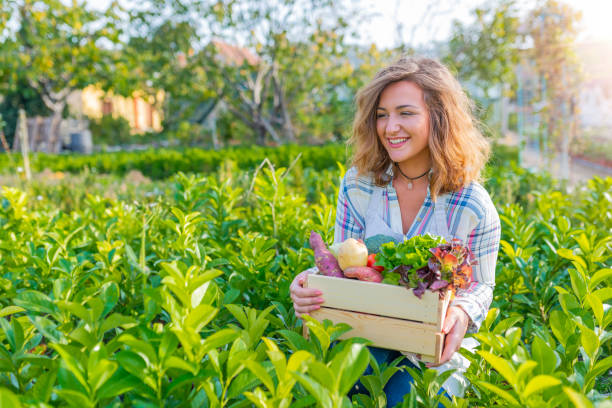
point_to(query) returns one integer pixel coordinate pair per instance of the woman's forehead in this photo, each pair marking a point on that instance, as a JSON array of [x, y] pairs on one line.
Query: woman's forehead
[[401, 93]]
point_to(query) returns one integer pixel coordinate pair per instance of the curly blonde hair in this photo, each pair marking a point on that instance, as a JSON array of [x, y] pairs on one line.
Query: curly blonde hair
[[458, 149]]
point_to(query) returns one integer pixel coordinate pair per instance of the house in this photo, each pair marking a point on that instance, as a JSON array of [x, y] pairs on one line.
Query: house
[[138, 110]]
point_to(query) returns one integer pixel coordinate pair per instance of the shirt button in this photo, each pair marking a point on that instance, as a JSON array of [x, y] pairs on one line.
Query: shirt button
[[420, 219]]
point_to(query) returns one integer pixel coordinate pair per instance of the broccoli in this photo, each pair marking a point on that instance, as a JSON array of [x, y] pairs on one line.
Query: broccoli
[[373, 243]]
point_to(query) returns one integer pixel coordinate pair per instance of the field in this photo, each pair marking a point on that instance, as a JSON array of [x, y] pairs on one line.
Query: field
[[171, 290]]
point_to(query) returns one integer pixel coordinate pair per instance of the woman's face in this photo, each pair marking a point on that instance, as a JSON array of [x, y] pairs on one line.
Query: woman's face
[[402, 123]]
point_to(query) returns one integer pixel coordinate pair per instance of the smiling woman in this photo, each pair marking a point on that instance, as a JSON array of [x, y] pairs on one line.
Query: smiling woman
[[416, 166]]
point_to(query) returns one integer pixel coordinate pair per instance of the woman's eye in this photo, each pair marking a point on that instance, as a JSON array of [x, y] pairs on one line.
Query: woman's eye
[[406, 113], [380, 115]]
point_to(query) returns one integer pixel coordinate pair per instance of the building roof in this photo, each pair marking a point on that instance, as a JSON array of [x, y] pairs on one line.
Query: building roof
[[235, 55]]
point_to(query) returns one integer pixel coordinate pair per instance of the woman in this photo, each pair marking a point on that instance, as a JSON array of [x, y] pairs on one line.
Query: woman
[[417, 161]]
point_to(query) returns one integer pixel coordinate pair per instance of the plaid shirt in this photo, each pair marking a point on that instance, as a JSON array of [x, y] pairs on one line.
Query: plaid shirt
[[470, 216]]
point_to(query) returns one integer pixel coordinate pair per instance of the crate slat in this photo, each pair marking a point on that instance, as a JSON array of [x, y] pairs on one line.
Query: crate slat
[[387, 332], [379, 299]]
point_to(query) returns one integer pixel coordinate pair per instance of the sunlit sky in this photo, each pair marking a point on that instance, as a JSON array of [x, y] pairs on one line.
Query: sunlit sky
[[595, 24], [419, 26]]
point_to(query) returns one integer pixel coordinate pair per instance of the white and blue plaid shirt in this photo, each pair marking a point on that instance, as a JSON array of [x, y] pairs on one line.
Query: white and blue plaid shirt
[[470, 216]]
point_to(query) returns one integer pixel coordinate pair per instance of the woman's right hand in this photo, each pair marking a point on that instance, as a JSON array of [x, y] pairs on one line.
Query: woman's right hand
[[305, 300]]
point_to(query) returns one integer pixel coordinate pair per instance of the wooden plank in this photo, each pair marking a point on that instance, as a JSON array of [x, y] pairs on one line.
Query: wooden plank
[[385, 332], [378, 298], [439, 346]]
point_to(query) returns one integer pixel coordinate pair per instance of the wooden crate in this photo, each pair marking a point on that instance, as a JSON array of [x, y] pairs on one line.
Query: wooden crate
[[391, 316]]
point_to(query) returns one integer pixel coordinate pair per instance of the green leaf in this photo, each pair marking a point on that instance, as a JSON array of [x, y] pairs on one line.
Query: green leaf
[[120, 383], [74, 398], [525, 370], [75, 309], [319, 332], [117, 320], [603, 294], [589, 341], [9, 310], [597, 307], [8, 399], [315, 389], [539, 383], [109, 296], [502, 393], [261, 373], [200, 317], [71, 363], [600, 276], [501, 366], [102, 372], [544, 355], [43, 387], [34, 301], [132, 363], [349, 365], [579, 284], [320, 372], [180, 364], [219, 339], [561, 326], [578, 400], [141, 347], [598, 369], [296, 341]]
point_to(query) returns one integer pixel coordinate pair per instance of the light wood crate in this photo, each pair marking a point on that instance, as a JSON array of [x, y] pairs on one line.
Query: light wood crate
[[391, 316]]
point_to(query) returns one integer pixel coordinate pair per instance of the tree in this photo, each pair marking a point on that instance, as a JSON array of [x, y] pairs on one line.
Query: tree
[[486, 52], [300, 68], [552, 27], [57, 48]]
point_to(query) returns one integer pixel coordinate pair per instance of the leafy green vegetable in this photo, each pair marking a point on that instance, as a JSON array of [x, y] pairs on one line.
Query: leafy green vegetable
[[413, 253]]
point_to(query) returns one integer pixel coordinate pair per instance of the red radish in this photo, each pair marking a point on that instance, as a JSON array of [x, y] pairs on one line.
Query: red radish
[[324, 259]]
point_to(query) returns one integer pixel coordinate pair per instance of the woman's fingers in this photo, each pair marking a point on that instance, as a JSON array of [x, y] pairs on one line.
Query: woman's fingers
[[455, 326], [305, 300], [302, 310]]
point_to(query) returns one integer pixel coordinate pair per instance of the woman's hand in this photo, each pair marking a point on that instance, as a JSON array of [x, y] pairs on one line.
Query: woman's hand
[[455, 326], [305, 300]]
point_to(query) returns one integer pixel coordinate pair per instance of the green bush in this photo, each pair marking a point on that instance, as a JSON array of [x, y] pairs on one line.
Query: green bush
[[110, 130], [177, 295]]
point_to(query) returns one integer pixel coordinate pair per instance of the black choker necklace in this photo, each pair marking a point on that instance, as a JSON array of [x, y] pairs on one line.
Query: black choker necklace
[[411, 179]]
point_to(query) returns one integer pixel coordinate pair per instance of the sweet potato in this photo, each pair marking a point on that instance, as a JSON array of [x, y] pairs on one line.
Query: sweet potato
[[324, 259], [363, 273]]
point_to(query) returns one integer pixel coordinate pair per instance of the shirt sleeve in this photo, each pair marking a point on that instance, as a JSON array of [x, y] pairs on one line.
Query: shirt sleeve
[[483, 241], [349, 221]]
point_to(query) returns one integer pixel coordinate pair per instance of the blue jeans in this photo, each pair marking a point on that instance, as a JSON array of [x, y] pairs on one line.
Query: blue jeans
[[398, 385]]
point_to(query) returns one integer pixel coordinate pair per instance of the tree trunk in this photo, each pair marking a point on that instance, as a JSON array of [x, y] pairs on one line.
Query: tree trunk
[[54, 143]]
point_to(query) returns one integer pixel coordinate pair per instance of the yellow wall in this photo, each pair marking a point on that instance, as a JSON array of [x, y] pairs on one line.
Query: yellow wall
[[141, 115]]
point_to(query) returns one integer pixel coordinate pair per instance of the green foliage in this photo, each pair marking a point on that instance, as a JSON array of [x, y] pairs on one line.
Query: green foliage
[[485, 53], [175, 293], [109, 130]]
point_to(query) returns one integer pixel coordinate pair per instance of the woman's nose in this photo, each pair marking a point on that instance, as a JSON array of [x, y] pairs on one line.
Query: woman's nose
[[392, 126]]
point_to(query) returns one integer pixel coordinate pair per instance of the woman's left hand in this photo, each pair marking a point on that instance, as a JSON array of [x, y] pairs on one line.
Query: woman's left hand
[[455, 326]]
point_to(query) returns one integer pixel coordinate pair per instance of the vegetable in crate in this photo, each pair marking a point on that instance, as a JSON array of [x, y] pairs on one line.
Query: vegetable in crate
[[324, 259], [374, 242], [363, 273], [401, 260], [352, 253], [451, 264], [427, 262]]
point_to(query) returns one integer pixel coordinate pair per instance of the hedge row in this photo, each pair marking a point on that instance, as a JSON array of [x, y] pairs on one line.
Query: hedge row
[[163, 163]]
